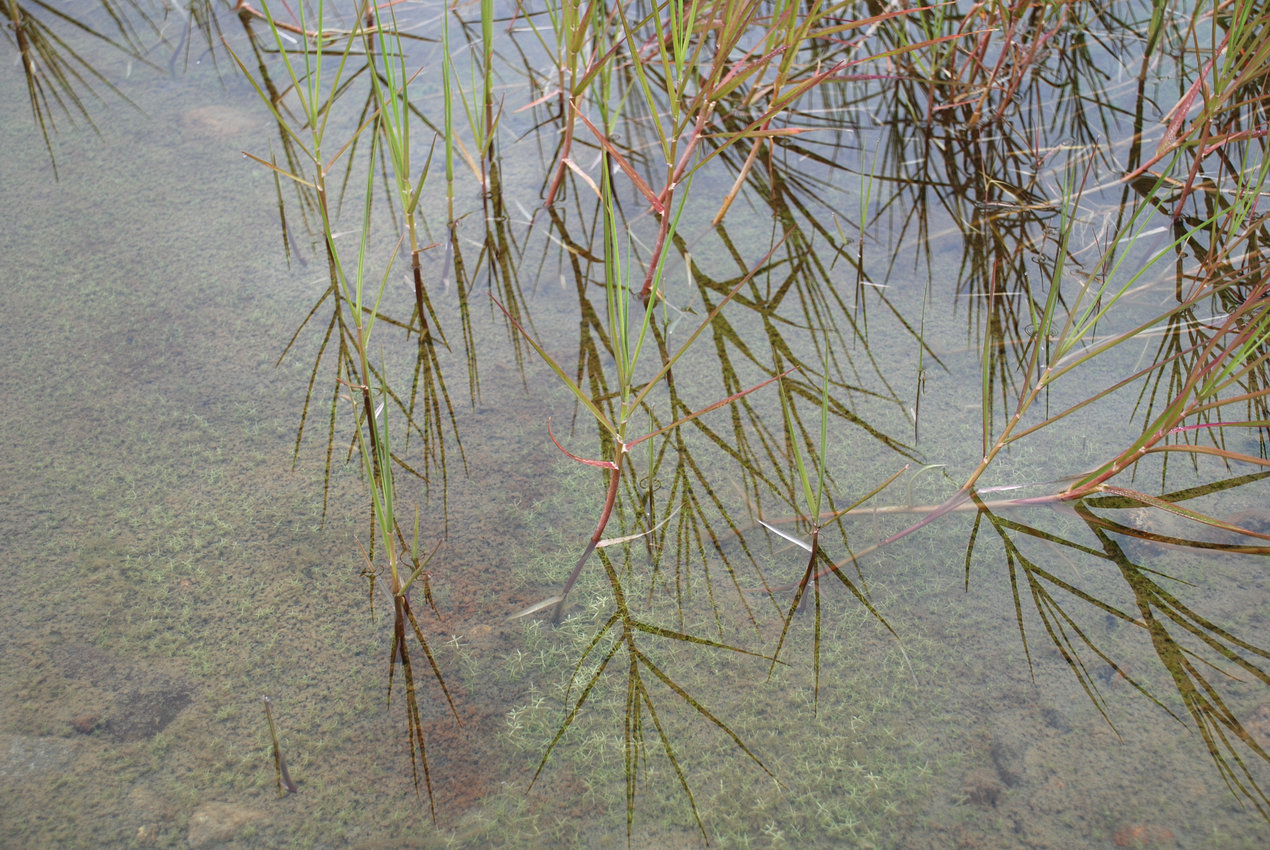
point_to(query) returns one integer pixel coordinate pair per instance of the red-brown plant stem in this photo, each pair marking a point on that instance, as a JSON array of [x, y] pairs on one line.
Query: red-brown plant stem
[[667, 197], [615, 476]]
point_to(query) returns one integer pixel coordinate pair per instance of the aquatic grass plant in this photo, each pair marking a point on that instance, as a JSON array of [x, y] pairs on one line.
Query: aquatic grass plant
[[1229, 355], [358, 296], [661, 91], [428, 406], [404, 569], [59, 78]]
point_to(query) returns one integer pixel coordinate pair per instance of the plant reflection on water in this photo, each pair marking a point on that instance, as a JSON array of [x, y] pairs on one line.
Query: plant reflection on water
[[759, 214]]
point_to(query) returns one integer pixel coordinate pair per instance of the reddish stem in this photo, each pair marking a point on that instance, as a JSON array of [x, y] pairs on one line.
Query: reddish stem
[[609, 501]]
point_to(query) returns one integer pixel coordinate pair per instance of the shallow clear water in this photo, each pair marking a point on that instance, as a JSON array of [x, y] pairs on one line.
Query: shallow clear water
[[168, 562]]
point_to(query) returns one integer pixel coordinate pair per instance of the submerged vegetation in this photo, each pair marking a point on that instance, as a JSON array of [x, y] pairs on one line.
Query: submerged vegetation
[[768, 219]]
